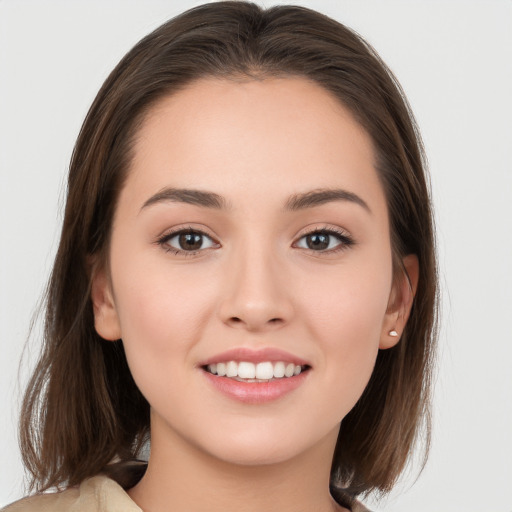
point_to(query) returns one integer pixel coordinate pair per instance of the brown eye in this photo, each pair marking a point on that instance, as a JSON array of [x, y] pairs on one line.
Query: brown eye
[[325, 240], [190, 241], [317, 241], [187, 241]]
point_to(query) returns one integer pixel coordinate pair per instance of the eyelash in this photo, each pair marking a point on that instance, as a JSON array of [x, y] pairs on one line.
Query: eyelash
[[346, 241], [163, 241]]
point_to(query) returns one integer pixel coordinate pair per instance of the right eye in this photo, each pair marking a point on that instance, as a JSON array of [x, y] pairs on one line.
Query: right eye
[[186, 241]]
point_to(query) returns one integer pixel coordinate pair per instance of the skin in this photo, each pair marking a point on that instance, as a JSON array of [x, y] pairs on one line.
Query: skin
[[254, 284]]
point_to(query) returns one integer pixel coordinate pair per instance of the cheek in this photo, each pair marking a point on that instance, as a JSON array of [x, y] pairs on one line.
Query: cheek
[[162, 311], [345, 315], [348, 304]]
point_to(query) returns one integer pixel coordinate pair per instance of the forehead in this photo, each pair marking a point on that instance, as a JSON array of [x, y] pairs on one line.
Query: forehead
[[282, 135]]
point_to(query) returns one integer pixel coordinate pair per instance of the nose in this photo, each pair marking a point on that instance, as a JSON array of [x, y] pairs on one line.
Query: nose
[[256, 296]]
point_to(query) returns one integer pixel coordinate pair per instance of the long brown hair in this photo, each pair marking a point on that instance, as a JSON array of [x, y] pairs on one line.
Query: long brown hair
[[82, 409]]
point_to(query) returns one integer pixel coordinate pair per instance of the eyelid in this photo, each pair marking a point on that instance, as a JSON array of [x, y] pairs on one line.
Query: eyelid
[[344, 237], [163, 239]]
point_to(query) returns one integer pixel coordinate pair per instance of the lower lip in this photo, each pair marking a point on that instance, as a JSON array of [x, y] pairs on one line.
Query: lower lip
[[256, 392]]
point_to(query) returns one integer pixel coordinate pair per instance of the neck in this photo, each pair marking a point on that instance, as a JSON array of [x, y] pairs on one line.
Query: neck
[[183, 478]]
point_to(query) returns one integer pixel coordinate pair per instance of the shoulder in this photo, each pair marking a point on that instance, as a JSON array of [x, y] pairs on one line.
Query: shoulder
[[357, 506], [97, 494], [47, 502], [346, 500]]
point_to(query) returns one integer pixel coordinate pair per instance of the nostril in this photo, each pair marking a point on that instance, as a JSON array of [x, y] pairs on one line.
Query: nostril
[[255, 322]]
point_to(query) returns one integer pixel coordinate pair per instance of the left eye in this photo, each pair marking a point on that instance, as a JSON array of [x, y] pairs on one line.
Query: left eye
[[322, 241], [188, 241]]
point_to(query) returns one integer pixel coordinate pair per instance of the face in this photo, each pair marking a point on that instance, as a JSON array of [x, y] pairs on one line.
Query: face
[[251, 237]]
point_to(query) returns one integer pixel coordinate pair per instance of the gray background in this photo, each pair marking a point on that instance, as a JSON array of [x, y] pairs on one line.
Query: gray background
[[454, 59]]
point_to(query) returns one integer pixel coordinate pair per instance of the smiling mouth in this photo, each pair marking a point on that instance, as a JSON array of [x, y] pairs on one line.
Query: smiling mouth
[[266, 371]]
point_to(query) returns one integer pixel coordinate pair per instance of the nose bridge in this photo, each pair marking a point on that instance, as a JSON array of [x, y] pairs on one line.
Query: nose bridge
[[255, 297]]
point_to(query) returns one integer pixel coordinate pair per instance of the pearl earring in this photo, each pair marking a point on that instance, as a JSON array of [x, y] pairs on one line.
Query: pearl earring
[[393, 333]]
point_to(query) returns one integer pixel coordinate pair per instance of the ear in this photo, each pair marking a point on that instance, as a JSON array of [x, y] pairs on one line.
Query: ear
[[106, 321], [400, 302]]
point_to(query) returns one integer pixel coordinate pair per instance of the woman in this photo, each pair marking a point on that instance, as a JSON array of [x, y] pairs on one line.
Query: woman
[[246, 276]]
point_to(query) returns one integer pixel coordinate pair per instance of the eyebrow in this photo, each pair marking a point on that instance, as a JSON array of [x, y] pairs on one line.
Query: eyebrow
[[322, 196], [295, 202], [189, 196]]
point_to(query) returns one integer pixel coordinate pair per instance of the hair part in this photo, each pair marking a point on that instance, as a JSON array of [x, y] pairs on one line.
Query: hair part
[[82, 409]]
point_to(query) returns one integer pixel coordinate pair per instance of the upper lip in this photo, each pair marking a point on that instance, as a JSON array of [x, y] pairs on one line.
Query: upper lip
[[255, 356]]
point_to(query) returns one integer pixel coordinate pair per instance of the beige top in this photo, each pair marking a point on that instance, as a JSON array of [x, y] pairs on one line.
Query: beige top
[[96, 494]]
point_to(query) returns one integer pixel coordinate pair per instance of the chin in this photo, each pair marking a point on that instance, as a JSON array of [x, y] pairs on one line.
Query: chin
[[257, 447], [257, 454]]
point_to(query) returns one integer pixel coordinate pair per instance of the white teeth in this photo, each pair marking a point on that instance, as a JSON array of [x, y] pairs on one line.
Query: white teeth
[[279, 370], [221, 369], [255, 372], [246, 370], [264, 371], [232, 369]]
